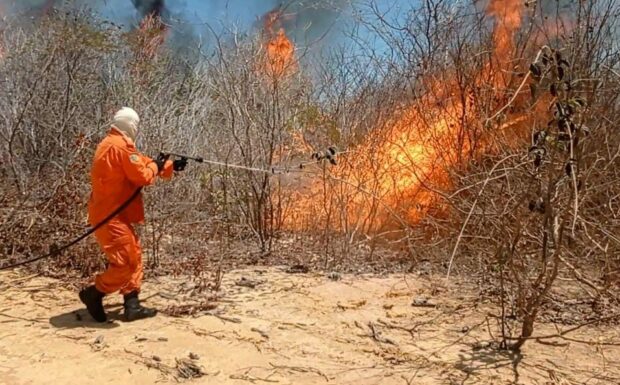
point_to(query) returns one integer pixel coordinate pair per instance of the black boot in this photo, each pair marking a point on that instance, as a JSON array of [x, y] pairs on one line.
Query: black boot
[[93, 299], [133, 309]]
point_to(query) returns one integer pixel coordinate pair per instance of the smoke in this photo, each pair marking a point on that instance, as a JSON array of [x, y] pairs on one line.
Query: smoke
[[308, 18], [315, 23], [117, 10], [309, 21], [32, 7], [150, 7], [557, 6]]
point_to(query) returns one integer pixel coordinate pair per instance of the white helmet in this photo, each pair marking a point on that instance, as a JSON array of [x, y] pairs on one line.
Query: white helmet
[[127, 121]]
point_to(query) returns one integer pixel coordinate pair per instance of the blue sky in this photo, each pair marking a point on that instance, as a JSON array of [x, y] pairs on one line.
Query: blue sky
[[308, 20], [320, 24]]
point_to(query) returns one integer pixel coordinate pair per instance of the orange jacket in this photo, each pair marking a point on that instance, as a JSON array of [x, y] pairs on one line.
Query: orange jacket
[[118, 170]]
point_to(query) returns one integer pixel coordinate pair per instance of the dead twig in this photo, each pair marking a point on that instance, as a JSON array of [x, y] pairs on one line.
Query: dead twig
[[411, 329], [253, 379], [17, 280], [224, 318], [215, 334], [376, 335], [188, 369], [519, 89], [189, 309], [261, 332], [563, 333], [301, 369]]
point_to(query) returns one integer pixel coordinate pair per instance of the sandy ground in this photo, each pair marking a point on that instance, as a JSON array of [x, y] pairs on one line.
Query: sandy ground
[[290, 329]]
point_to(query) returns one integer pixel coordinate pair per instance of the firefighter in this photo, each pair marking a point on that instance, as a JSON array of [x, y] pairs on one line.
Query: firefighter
[[118, 170]]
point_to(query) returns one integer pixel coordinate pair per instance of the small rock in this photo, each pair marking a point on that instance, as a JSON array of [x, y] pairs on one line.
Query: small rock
[[188, 285], [246, 282], [334, 276], [99, 344], [298, 269], [162, 339], [425, 268], [140, 339], [194, 356], [465, 329], [481, 345], [422, 302], [156, 358]]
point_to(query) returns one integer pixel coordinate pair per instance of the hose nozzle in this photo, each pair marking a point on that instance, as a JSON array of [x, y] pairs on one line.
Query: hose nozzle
[[197, 159]]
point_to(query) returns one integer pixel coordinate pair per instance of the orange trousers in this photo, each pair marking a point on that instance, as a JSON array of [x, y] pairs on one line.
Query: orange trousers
[[119, 242]]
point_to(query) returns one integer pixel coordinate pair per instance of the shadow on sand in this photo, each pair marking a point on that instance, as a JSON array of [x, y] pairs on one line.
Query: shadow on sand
[[490, 357], [81, 319]]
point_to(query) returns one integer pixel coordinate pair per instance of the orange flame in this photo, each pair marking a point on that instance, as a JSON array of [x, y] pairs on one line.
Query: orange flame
[[508, 15], [405, 158], [280, 51], [151, 37]]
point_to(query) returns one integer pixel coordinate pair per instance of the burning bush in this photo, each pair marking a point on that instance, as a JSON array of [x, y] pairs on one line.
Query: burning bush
[[424, 134], [279, 52]]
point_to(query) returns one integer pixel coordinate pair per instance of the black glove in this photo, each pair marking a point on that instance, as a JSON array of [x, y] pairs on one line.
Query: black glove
[[179, 164], [161, 161]]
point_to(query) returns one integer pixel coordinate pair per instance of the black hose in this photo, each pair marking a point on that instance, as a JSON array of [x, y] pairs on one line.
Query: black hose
[[55, 251], [198, 159]]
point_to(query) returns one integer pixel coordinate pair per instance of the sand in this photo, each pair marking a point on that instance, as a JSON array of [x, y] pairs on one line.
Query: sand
[[289, 329]]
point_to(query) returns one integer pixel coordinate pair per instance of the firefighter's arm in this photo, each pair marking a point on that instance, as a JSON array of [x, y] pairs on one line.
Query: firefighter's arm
[[142, 170]]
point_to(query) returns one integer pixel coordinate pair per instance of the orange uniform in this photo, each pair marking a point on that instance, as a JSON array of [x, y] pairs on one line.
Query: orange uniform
[[118, 170]]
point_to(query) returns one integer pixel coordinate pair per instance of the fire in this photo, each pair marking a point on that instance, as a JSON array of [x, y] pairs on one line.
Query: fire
[[394, 173], [410, 151], [508, 15], [151, 36], [279, 50], [280, 55]]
